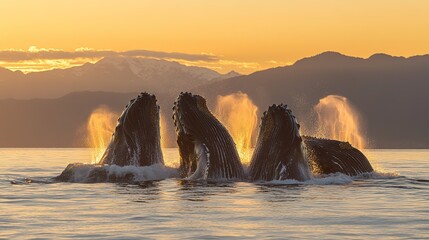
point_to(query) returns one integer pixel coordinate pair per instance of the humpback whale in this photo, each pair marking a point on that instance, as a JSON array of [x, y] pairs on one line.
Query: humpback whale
[[330, 156], [135, 142], [206, 149], [279, 152]]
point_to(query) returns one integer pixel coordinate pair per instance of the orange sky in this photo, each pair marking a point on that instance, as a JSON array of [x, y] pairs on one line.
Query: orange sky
[[245, 35]]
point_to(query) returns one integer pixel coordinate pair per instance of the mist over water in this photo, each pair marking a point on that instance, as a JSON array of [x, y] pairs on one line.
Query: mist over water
[[239, 115], [338, 119], [99, 129]]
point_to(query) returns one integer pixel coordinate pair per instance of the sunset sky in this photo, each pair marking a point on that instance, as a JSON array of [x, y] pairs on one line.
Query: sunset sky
[[244, 35]]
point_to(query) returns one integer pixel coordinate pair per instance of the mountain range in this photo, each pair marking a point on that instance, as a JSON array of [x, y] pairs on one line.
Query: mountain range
[[112, 74], [389, 92]]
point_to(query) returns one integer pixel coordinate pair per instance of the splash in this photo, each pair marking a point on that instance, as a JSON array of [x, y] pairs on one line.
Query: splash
[[163, 131], [100, 126], [171, 158], [239, 114], [339, 120]]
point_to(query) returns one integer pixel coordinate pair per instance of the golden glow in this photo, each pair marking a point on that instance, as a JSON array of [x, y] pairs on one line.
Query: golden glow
[[239, 115], [100, 127], [338, 120], [40, 65], [163, 131], [247, 35]]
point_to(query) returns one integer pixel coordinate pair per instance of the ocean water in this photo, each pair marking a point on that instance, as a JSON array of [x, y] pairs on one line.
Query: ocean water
[[392, 203]]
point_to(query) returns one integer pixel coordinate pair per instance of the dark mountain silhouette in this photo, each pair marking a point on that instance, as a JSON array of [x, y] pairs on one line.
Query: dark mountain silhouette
[[53, 122], [389, 92], [111, 74]]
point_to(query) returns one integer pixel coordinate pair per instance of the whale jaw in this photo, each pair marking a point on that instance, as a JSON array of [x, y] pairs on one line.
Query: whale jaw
[[279, 152], [136, 140], [206, 149]]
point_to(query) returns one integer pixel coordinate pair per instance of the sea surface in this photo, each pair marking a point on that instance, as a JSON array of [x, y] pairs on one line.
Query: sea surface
[[392, 203]]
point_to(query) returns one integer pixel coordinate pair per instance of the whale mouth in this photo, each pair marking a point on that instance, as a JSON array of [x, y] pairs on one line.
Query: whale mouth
[[281, 115], [134, 144], [195, 155], [206, 148], [136, 140], [279, 152]]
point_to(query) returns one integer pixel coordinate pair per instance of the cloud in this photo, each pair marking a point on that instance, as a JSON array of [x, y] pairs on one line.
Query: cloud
[[34, 53], [43, 65], [41, 59]]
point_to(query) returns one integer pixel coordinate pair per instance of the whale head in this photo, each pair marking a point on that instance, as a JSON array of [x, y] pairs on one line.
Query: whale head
[[136, 140], [206, 149], [279, 153]]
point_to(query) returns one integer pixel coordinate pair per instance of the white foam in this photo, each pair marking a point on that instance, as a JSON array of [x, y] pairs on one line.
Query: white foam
[[335, 179], [81, 172], [378, 175], [332, 179], [153, 172]]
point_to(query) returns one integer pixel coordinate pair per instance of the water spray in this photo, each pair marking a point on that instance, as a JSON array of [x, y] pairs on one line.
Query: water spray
[[339, 120], [239, 114], [100, 127]]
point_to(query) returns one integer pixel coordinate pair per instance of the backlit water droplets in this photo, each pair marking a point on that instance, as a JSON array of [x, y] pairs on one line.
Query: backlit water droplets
[[100, 126], [339, 120], [239, 115]]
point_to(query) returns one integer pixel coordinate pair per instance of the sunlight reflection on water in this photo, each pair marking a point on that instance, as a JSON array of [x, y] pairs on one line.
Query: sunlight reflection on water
[[395, 207]]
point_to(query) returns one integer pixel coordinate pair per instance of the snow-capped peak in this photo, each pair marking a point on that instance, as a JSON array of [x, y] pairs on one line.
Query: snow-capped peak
[[145, 68]]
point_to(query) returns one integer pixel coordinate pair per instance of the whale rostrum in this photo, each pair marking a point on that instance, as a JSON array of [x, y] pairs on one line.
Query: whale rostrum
[[207, 150], [279, 153], [135, 142], [137, 139]]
